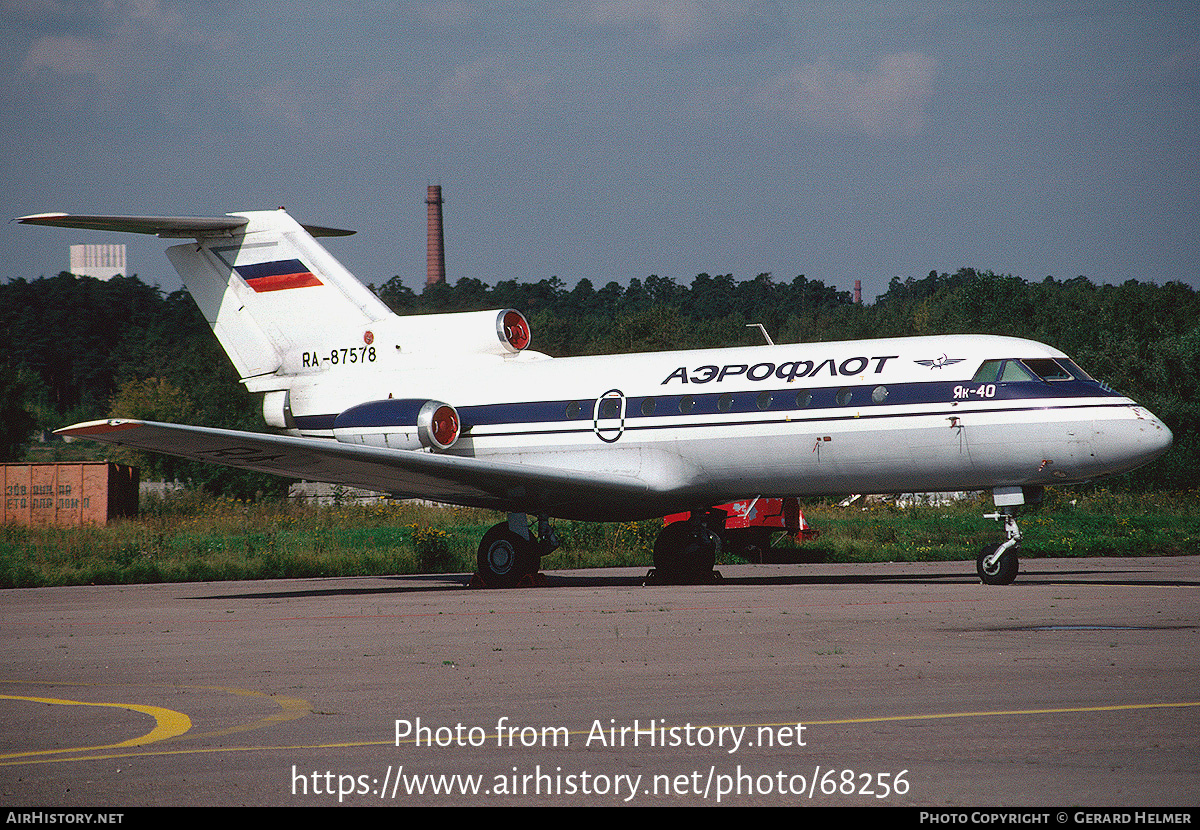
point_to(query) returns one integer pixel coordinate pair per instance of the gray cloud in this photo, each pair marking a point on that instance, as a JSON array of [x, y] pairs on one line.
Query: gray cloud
[[487, 82], [890, 98], [675, 23]]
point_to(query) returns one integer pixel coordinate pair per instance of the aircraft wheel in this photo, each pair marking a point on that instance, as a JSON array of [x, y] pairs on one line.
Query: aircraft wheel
[[684, 552], [504, 557], [1003, 571]]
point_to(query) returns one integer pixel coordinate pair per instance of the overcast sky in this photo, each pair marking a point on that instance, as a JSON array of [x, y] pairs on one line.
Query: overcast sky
[[611, 140]]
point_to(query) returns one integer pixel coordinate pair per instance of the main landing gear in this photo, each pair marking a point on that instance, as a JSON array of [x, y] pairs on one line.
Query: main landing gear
[[685, 553], [997, 564], [510, 552]]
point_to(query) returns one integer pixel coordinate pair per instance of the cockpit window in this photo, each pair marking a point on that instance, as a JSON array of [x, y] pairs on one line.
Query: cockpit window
[[1029, 369], [989, 372], [1073, 368], [1002, 371], [1014, 372], [1048, 369]]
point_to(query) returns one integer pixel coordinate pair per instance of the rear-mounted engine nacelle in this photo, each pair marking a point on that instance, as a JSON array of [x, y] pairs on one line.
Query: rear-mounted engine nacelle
[[438, 425], [400, 423], [501, 332]]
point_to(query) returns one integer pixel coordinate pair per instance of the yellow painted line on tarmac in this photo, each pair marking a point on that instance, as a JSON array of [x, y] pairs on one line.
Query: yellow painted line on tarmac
[[167, 724], [834, 722], [290, 708], [990, 714], [878, 719]]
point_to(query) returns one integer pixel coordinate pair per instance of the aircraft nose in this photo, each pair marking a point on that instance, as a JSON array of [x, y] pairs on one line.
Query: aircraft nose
[[1133, 437], [1147, 439]]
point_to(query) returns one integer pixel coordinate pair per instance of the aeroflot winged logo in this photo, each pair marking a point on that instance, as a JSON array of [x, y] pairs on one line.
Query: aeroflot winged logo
[[277, 276], [940, 362]]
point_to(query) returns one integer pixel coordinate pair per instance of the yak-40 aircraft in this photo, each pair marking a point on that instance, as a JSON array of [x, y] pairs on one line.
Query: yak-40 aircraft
[[456, 408]]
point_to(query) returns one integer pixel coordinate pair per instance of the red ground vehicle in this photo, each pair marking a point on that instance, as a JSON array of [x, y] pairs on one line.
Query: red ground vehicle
[[750, 523]]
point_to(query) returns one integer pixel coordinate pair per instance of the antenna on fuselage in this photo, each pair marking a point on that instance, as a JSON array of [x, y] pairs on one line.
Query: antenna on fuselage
[[763, 329]]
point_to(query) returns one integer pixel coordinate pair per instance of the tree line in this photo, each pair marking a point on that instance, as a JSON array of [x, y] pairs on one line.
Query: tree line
[[80, 348]]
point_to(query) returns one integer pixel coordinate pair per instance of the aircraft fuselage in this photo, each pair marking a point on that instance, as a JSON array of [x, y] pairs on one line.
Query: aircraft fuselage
[[887, 415]]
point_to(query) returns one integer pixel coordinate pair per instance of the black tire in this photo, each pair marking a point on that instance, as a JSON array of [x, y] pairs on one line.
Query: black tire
[[684, 552], [504, 557], [1002, 572]]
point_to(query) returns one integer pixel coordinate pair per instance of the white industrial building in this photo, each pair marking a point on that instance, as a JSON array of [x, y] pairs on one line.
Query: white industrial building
[[100, 261]]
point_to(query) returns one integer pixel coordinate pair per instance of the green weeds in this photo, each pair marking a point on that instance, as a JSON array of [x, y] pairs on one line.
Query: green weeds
[[190, 537]]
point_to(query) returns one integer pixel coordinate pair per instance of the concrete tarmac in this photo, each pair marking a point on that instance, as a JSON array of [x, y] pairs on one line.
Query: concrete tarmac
[[823, 685]]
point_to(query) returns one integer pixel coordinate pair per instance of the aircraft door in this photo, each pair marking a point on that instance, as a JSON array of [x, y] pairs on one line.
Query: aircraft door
[[608, 416]]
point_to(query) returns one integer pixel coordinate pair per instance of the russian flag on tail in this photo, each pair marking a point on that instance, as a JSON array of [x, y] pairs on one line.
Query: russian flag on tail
[[277, 276]]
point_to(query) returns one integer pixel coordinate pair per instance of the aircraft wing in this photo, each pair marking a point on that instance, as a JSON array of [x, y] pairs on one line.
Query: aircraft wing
[[406, 473]]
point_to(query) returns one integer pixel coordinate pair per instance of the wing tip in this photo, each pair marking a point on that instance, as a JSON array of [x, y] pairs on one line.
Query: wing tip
[[41, 219], [97, 427], [162, 226]]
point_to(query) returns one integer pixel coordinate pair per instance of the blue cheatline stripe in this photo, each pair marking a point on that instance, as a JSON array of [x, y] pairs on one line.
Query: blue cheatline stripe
[[815, 418], [800, 405]]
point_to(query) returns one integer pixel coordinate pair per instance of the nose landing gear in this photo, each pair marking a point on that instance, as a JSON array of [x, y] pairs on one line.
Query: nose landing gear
[[997, 564]]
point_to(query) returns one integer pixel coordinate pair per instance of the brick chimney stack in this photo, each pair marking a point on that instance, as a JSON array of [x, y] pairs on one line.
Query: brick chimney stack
[[435, 243]]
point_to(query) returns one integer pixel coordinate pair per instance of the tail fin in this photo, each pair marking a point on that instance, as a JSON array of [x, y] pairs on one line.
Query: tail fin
[[269, 286], [283, 308], [260, 279]]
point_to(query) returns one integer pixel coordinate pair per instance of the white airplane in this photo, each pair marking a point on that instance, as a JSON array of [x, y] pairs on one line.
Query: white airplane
[[456, 408]]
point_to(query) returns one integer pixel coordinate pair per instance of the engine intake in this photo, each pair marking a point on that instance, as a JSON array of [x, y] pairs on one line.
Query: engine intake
[[437, 425], [513, 329]]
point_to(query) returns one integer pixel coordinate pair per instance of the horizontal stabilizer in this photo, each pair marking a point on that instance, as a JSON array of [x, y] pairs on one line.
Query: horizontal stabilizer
[[405, 473], [167, 227]]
